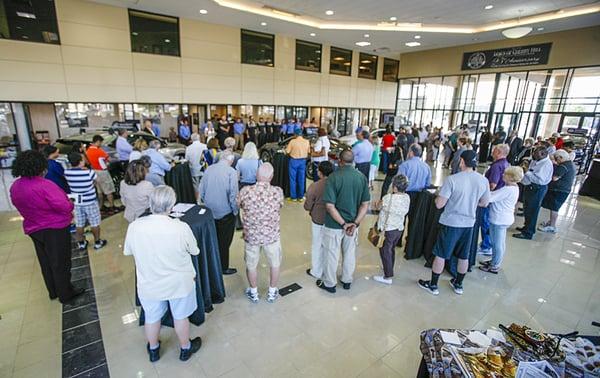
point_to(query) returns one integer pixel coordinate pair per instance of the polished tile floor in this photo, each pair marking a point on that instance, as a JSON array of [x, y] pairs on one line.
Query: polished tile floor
[[550, 283]]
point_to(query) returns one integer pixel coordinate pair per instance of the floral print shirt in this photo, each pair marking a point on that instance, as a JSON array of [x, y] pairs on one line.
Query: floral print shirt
[[261, 204]]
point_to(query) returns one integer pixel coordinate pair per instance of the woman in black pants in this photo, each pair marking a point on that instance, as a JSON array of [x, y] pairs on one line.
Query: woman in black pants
[[47, 214], [396, 158]]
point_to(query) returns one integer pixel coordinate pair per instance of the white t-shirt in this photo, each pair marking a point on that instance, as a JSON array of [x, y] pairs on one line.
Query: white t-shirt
[[464, 190], [322, 143], [162, 247], [193, 154], [502, 205]]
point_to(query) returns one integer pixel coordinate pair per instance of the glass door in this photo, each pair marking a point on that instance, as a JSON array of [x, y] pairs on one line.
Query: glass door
[[583, 129]]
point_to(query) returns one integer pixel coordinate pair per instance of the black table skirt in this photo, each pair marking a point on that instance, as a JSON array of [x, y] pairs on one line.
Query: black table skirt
[[591, 185], [210, 288], [281, 175], [418, 227], [180, 179]]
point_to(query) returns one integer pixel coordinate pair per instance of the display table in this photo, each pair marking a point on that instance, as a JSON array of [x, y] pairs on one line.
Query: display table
[[210, 288], [591, 185], [180, 179], [500, 351]]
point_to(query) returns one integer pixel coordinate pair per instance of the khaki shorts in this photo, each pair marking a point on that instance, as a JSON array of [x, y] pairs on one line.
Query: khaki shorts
[[105, 182], [272, 252]]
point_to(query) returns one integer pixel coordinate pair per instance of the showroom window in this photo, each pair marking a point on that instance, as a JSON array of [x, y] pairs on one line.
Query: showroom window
[[154, 33], [390, 69], [367, 69], [308, 56], [340, 61], [32, 20], [258, 48]]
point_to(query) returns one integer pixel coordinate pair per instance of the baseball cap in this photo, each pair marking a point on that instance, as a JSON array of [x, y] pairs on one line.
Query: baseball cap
[[359, 130], [470, 158], [298, 131]]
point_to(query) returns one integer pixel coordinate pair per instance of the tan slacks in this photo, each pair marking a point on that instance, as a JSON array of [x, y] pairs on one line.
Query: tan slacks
[[239, 142], [333, 240]]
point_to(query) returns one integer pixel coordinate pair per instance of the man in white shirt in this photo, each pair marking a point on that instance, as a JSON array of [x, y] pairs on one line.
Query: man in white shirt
[[320, 152], [535, 185], [194, 155], [161, 247]]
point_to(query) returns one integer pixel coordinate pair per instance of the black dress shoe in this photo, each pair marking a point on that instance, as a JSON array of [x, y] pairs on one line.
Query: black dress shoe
[[521, 236], [76, 293], [520, 229], [345, 285], [195, 345], [321, 285], [153, 354], [520, 214], [229, 271], [52, 297]]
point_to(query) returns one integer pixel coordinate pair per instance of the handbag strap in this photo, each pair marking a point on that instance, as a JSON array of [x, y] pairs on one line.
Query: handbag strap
[[387, 216]]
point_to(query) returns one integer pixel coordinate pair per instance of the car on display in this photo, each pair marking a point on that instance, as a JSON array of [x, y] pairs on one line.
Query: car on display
[[171, 151], [268, 150], [351, 139]]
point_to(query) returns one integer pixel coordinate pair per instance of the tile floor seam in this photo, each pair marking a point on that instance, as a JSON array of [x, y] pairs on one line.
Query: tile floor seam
[[88, 370], [81, 325], [83, 346], [78, 308]]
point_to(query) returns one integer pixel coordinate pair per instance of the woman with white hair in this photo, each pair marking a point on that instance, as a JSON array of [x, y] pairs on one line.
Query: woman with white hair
[[248, 165], [160, 165], [161, 247], [558, 189]]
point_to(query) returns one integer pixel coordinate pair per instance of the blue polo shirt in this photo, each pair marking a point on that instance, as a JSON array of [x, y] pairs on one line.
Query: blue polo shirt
[[417, 172], [363, 152]]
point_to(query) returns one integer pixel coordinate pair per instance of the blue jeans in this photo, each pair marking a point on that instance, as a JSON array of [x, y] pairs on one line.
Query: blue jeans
[[498, 240], [297, 168], [485, 228], [386, 160], [533, 195]]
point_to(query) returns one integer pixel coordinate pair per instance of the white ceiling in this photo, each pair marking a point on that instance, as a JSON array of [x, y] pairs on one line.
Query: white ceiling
[[456, 12]]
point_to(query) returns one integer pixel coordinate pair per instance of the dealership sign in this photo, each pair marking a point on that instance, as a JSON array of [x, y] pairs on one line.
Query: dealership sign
[[510, 57]]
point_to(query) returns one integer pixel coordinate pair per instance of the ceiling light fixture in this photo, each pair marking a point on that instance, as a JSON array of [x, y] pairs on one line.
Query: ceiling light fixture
[[167, 40], [365, 61], [26, 15], [540, 29], [329, 12], [393, 18], [134, 33], [263, 24], [413, 44], [488, 7], [417, 37], [319, 23], [339, 58], [363, 43], [366, 36], [203, 11], [518, 32], [313, 34]]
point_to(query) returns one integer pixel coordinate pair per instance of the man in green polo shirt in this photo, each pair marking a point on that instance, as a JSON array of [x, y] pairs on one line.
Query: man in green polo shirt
[[347, 201]]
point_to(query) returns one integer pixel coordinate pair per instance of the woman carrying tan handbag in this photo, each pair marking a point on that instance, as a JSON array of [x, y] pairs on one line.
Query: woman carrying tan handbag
[[394, 207]]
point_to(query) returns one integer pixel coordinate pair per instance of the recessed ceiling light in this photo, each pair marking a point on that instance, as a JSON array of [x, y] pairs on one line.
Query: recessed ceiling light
[[312, 34], [417, 37], [203, 11], [134, 33], [347, 64], [488, 7], [26, 15], [362, 67], [329, 12], [167, 40], [338, 58], [366, 36], [540, 29], [362, 43], [393, 18], [263, 24], [413, 44]]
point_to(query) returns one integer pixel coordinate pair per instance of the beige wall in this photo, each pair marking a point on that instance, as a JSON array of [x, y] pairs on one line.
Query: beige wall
[[578, 47], [94, 63]]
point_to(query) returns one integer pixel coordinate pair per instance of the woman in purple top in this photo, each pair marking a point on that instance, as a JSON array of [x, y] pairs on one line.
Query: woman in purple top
[[47, 214]]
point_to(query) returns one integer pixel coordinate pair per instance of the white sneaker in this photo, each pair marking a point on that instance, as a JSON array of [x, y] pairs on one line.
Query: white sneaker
[[253, 297], [272, 296], [484, 252], [382, 279], [548, 229]]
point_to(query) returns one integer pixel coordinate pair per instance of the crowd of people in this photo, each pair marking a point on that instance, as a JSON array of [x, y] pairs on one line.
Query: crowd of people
[[230, 179]]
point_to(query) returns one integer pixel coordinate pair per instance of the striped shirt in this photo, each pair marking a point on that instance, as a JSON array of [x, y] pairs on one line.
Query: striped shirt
[[81, 181]]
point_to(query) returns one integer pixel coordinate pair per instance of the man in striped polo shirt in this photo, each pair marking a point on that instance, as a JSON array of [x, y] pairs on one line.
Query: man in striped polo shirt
[[81, 182]]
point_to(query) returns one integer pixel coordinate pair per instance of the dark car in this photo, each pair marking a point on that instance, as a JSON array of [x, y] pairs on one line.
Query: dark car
[[268, 151]]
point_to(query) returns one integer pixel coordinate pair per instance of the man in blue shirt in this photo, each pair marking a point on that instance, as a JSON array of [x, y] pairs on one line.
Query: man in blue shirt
[[123, 147], [55, 171], [218, 191], [156, 129], [184, 132], [238, 134], [416, 170], [291, 127], [363, 152], [160, 165]]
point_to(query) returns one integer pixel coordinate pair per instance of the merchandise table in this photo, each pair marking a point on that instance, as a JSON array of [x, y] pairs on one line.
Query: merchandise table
[[467, 353], [591, 185], [180, 179], [210, 288]]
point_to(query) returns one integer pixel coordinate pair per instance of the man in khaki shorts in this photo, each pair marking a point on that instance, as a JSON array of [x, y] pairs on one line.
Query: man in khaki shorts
[[98, 159], [261, 204]]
